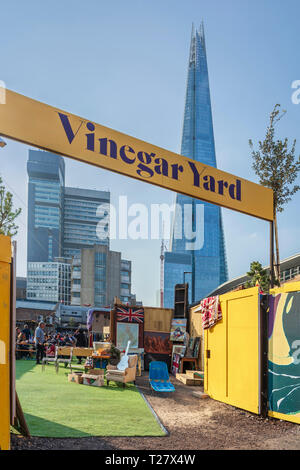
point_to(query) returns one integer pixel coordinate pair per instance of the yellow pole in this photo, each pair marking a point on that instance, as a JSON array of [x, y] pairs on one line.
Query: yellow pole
[[5, 288]]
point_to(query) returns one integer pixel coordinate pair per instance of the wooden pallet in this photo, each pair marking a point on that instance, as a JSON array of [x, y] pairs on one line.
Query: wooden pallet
[[195, 374]]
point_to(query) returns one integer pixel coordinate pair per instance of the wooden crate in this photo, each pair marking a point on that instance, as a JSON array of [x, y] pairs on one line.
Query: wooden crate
[[188, 380], [185, 379], [198, 382]]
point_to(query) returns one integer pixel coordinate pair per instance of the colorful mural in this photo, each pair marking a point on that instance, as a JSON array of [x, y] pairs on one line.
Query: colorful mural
[[284, 354]]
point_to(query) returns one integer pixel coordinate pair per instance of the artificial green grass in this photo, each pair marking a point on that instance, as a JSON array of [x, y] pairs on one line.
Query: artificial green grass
[[54, 407]]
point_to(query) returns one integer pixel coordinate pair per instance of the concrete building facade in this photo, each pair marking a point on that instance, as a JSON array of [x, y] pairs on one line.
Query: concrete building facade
[[98, 276], [86, 219]]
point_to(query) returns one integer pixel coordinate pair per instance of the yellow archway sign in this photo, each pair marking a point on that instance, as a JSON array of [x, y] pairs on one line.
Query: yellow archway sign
[[43, 126]]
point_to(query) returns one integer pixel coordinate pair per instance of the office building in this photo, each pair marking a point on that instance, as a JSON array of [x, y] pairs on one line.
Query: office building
[[21, 286], [46, 183], [49, 281], [98, 276], [61, 221], [86, 219]]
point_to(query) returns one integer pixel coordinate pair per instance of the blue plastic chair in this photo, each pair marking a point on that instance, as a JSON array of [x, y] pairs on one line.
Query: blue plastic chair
[[159, 377]]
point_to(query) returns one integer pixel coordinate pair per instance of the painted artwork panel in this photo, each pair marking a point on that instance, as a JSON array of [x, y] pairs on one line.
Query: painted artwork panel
[[178, 329], [284, 355], [157, 342]]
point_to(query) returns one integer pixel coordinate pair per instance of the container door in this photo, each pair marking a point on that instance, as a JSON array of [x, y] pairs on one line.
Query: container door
[[232, 352]]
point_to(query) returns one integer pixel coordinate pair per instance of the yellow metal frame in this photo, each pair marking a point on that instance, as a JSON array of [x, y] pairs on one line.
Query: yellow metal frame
[[5, 278], [292, 418], [285, 288]]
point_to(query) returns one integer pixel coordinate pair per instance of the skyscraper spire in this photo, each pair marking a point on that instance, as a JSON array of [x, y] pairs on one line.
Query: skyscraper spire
[[202, 34], [204, 256]]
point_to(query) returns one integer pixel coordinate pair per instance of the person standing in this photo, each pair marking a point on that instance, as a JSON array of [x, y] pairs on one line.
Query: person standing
[[18, 331], [39, 338], [80, 341], [26, 332]]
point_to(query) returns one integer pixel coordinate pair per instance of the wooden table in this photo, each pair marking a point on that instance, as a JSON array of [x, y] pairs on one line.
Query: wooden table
[[193, 360], [30, 350]]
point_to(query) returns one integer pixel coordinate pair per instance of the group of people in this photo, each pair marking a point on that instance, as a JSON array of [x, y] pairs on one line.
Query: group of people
[[45, 343]]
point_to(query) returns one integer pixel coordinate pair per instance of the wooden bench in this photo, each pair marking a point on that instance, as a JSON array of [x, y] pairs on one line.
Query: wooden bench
[[84, 352]]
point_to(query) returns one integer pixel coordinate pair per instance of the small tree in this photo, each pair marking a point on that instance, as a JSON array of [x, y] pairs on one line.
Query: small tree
[[7, 214], [258, 276], [277, 168]]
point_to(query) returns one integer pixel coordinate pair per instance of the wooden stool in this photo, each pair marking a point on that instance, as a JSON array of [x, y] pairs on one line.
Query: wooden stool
[[193, 360]]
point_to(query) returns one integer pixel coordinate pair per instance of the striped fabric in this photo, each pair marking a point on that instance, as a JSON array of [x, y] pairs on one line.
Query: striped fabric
[[210, 308]]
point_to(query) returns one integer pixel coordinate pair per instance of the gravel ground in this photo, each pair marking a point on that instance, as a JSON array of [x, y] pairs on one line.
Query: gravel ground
[[192, 423]]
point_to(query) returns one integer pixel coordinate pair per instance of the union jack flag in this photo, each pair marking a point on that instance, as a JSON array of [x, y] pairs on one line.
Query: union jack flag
[[130, 314]]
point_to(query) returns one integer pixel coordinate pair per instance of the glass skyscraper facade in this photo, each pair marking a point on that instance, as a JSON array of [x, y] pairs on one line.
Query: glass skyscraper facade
[[45, 205], [68, 240], [197, 249], [61, 220]]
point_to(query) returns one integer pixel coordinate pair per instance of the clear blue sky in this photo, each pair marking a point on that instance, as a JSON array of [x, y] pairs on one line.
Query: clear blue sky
[[123, 64]]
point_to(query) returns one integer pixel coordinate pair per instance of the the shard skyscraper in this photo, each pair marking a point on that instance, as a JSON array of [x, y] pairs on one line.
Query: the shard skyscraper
[[197, 248]]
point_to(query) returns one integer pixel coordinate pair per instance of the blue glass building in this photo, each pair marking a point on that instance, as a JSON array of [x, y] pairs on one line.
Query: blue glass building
[[66, 223], [197, 249], [45, 205], [61, 220]]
